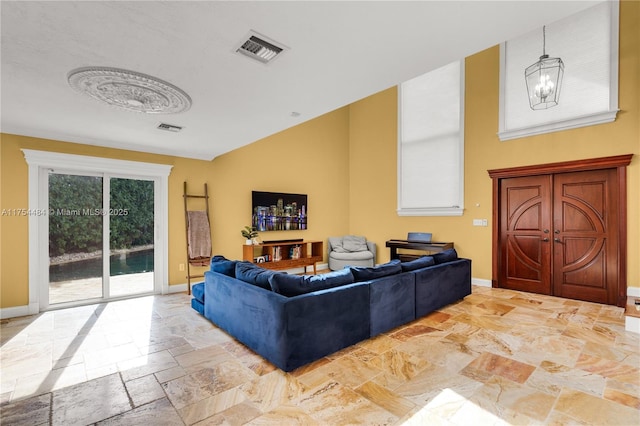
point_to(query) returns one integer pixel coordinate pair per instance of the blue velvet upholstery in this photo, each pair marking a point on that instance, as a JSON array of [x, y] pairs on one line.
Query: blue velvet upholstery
[[197, 290], [445, 256], [294, 331], [253, 274], [362, 273], [294, 285], [197, 305], [441, 285], [392, 302], [223, 265], [421, 262], [288, 331]]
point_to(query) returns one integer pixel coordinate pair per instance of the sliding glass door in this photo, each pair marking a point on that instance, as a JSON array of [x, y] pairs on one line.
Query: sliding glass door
[[75, 238], [90, 215], [131, 225]]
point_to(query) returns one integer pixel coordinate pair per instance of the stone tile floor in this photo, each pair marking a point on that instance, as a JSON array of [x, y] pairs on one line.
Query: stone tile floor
[[498, 357]]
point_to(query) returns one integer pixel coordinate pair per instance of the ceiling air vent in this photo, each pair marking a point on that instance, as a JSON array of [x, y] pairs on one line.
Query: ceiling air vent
[[260, 48], [169, 127]]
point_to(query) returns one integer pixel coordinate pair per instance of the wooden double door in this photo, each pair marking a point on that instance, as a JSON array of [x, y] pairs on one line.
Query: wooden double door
[[562, 233]]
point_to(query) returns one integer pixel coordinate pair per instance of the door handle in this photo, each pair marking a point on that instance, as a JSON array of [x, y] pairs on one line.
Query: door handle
[[557, 240], [545, 240]]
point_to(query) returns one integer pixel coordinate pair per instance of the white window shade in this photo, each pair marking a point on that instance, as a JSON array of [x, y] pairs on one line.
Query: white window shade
[[588, 45], [430, 157]]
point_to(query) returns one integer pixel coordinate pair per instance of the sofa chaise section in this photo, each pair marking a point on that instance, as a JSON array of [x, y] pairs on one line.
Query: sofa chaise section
[[442, 284]]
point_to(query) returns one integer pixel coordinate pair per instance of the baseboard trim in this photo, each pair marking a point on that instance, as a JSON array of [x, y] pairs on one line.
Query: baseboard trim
[[632, 324], [19, 311], [633, 291], [481, 282], [179, 288]]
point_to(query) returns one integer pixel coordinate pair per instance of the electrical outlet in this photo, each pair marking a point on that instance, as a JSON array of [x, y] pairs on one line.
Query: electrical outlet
[[181, 267]]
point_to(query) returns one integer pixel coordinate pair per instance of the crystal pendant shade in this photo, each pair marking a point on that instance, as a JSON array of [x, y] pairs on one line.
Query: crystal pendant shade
[[544, 80]]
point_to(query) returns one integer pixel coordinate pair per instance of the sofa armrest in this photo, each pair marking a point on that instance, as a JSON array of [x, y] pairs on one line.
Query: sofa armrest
[[372, 248], [249, 313], [440, 285]]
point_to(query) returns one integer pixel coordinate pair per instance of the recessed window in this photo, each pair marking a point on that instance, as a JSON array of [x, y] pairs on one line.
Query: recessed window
[[587, 42], [431, 143]]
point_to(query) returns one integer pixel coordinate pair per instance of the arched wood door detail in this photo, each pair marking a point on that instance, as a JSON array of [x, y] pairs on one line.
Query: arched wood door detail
[[524, 234], [585, 248], [560, 229]]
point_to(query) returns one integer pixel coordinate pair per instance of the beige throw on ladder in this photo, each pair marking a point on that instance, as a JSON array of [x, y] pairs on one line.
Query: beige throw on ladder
[[199, 237]]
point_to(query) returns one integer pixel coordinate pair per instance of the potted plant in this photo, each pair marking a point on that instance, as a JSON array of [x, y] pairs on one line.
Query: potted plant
[[250, 233]]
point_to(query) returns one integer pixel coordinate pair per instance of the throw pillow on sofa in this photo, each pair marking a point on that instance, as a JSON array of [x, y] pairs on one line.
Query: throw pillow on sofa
[[252, 274], [361, 273], [294, 285], [223, 265], [445, 256], [419, 263]]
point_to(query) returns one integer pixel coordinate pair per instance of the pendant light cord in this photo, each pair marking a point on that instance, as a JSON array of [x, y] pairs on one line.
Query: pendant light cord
[[544, 40]]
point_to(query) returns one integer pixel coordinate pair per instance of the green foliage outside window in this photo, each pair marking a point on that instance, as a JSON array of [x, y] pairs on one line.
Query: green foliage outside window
[[76, 213]]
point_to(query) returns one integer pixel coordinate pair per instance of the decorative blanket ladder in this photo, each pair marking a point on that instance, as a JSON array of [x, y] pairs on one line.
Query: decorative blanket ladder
[[198, 234]]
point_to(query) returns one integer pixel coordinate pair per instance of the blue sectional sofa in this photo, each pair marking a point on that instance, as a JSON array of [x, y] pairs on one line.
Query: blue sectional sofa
[[292, 320]]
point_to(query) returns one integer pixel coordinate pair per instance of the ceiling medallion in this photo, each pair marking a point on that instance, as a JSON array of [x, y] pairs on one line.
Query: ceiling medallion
[[129, 90]]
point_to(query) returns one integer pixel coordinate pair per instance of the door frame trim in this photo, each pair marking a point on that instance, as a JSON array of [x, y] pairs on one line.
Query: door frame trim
[[618, 162], [40, 162]]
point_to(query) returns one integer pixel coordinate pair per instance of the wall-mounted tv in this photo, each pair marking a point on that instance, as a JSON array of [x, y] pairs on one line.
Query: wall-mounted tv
[[277, 211]]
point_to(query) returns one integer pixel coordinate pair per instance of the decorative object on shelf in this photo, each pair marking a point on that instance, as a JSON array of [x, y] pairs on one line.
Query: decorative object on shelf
[[295, 252], [277, 254], [250, 233], [544, 79], [129, 90]]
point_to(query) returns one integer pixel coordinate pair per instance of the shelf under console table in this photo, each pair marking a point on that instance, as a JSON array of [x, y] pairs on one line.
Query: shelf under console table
[[284, 254], [431, 247]]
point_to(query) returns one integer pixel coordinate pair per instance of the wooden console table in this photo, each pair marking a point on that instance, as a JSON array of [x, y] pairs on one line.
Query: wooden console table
[[432, 247], [265, 255]]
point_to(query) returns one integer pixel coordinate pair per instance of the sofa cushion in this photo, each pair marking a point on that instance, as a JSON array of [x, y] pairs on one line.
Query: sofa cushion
[[364, 274], [358, 255], [252, 274], [445, 256], [197, 305], [197, 290], [294, 285], [353, 243], [419, 263], [223, 265]]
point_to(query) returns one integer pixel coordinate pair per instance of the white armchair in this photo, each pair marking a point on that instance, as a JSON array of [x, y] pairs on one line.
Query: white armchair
[[350, 250]]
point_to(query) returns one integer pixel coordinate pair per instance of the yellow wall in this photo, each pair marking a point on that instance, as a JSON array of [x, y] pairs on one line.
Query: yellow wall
[[311, 158], [14, 264], [374, 137], [346, 162]]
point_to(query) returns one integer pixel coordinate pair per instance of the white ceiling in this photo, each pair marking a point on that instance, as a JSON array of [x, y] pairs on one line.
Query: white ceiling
[[339, 52]]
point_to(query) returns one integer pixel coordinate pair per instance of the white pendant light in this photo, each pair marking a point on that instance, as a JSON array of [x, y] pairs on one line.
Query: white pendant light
[[544, 79]]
